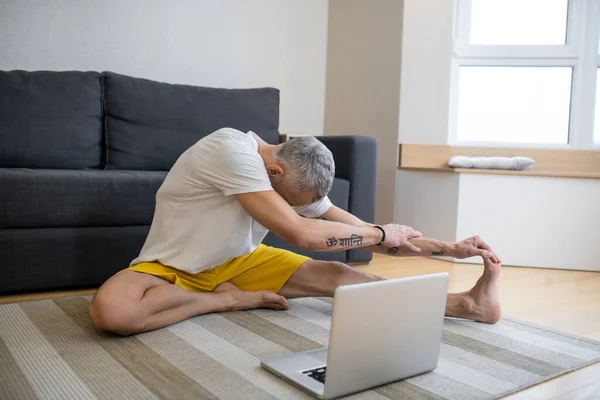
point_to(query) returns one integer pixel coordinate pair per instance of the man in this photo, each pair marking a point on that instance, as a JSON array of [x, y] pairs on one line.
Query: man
[[204, 253]]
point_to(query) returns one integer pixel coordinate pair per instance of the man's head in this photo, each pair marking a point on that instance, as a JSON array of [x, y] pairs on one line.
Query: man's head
[[302, 171]]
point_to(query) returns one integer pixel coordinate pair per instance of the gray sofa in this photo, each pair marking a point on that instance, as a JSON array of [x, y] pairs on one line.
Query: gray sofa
[[82, 155]]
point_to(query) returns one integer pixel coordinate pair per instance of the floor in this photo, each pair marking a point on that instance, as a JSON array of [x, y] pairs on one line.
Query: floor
[[568, 301]]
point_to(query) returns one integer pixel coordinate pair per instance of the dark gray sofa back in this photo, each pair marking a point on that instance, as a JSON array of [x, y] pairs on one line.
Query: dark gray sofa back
[[150, 124], [50, 119]]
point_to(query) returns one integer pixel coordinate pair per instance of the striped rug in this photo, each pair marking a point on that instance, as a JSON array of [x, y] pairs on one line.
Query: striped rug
[[49, 350]]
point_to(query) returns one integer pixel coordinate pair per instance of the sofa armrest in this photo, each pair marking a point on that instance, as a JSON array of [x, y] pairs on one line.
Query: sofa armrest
[[356, 161]]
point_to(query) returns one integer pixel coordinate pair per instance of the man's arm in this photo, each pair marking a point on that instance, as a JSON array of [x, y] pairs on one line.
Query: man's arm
[[275, 214], [466, 248]]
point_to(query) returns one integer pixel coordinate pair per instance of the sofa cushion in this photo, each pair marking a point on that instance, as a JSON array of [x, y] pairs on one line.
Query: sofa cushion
[[36, 198], [150, 124], [50, 119], [339, 195]]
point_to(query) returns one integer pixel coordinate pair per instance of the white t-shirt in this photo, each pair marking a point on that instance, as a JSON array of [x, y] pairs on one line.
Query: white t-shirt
[[198, 223]]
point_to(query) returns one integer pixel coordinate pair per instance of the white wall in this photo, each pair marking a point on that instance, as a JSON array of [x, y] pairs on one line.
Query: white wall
[[428, 201], [379, 52], [427, 45], [533, 221], [529, 221], [219, 43], [363, 83]]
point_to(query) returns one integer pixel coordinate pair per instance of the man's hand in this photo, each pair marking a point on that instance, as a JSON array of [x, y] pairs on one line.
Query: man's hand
[[398, 236], [474, 246]]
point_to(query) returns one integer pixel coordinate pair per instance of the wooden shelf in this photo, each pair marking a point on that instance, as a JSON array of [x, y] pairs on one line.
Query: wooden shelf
[[548, 162], [557, 174]]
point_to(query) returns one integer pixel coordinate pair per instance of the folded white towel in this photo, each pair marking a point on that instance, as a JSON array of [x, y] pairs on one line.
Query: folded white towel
[[511, 163]]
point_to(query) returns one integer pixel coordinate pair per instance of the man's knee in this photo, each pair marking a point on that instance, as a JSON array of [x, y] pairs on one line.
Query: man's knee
[[336, 272], [340, 274], [342, 268], [111, 315]]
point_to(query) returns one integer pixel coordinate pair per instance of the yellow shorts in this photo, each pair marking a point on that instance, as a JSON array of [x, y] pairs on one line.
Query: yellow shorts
[[266, 268]]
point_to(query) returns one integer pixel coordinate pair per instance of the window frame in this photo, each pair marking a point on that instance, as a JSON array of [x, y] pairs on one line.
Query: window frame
[[581, 53]]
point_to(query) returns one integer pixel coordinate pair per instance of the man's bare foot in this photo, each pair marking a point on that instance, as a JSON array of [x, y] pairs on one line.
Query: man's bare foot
[[482, 302], [242, 300], [484, 298]]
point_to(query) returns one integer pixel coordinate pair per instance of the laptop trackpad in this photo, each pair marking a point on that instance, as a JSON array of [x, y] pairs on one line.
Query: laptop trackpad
[[320, 355]]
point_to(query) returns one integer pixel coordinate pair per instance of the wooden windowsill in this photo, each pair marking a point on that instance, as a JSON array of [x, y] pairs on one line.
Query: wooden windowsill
[[557, 174], [582, 164]]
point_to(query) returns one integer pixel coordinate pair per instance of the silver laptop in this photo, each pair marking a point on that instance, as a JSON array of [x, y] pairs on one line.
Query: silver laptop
[[381, 332]]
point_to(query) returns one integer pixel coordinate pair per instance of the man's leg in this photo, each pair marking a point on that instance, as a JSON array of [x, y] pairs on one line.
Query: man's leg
[[132, 302], [321, 278]]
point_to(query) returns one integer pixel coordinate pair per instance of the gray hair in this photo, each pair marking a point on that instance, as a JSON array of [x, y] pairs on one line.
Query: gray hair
[[309, 164]]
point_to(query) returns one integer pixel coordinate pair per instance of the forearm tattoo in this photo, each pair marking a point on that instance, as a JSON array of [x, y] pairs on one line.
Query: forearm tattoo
[[353, 240], [438, 253]]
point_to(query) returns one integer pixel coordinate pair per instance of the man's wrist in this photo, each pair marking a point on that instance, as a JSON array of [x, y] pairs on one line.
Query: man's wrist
[[448, 248], [381, 233]]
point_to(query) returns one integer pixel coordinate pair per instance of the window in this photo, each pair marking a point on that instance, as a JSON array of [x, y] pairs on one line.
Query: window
[[491, 111], [526, 72], [531, 22]]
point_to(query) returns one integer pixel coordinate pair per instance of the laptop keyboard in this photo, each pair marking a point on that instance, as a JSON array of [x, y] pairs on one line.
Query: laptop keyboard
[[317, 374]]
